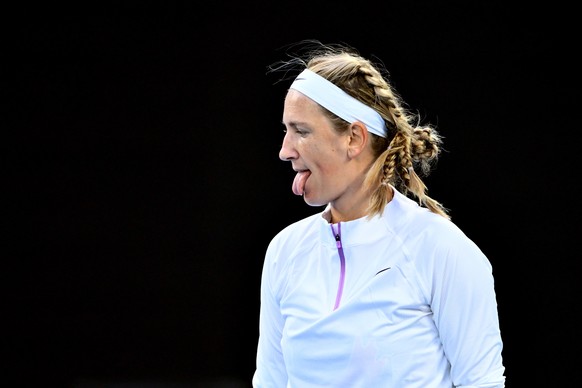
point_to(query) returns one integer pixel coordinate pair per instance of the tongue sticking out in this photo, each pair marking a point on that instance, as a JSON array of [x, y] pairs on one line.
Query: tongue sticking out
[[299, 182]]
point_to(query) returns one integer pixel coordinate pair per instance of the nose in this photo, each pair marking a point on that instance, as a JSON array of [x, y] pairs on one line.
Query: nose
[[288, 151]]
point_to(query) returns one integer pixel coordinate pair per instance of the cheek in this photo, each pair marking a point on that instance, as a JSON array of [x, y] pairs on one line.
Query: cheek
[[328, 161], [330, 170]]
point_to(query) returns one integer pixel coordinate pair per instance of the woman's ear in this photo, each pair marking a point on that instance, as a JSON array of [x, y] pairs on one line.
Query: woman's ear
[[358, 138]]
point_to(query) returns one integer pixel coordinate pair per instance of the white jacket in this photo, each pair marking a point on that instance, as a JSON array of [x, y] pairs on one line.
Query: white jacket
[[417, 305]]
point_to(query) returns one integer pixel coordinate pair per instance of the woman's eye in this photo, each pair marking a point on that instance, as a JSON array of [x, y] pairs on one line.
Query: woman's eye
[[298, 131]]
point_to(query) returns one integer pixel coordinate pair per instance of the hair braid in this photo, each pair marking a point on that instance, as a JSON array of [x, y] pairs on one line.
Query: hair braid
[[409, 145]]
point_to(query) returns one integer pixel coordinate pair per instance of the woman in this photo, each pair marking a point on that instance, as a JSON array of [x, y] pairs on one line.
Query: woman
[[380, 289]]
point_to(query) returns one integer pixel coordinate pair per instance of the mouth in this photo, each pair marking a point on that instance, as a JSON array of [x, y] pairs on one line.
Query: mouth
[[298, 186]]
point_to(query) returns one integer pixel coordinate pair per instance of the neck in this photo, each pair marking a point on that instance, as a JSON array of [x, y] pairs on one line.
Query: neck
[[342, 209]]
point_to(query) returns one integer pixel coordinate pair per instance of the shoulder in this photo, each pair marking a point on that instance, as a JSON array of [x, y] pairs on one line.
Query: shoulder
[[436, 250], [294, 241], [296, 234], [421, 230]]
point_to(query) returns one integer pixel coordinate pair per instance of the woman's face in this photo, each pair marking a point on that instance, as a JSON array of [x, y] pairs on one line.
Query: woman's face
[[316, 151]]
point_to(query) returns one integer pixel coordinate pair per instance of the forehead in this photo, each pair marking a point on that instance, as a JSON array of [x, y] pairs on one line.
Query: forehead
[[298, 107]]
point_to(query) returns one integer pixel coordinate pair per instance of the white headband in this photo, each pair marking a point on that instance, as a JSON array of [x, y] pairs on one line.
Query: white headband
[[334, 99]]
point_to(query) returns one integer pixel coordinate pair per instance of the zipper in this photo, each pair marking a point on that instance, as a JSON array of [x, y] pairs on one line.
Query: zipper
[[340, 249]]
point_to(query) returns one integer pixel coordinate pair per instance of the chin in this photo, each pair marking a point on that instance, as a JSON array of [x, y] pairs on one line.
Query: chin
[[313, 201]]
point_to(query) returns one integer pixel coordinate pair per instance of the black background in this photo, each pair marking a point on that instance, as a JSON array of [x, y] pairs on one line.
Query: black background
[[146, 181]]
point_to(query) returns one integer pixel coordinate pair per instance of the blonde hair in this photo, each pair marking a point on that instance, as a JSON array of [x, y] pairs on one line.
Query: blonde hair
[[409, 145]]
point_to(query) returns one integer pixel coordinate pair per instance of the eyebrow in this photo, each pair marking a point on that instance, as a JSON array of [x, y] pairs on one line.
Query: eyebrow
[[296, 124]]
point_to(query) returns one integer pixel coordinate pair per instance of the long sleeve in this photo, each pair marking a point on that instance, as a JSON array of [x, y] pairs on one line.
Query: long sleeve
[[270, 367], [465, 312]]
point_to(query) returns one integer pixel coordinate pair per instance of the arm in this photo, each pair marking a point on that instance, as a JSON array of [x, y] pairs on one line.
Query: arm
[[465, 312], [270, 365]]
